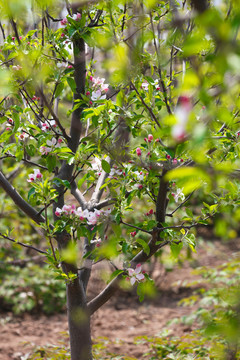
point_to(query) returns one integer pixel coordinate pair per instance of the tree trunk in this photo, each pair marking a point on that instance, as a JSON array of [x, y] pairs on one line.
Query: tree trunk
[[78, 322]]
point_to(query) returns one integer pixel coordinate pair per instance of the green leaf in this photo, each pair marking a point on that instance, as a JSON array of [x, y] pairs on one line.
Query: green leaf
[[82, 180], [106, 167], [71, 83], [31, 192], [117, 229], [51, 162], [59, 89], [176, 248], [144, 245], [58, 182], [115, 274], [30, 149]]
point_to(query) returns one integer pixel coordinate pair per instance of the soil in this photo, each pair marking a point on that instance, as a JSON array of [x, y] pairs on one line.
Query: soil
[[122, 319]]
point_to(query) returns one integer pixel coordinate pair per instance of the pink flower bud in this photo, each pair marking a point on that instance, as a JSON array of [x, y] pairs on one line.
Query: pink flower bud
[[10, 120], [168, 157], [157, 140], [133, 233], [145, 139], [150, 137], [175, 161], [140, 186], [90, 102], [151, 211], [138, 151], [64, 21], [13, 38], [70, 67], [39, 176], [91, 78], [62, 35], [20, 37], [181, 160], [88, 93]]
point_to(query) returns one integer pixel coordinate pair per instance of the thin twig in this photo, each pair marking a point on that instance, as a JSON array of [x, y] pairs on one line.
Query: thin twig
[[136, 227], [22, 244]]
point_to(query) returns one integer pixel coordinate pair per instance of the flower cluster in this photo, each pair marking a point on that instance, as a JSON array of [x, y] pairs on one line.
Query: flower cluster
[[140, 176], [115, 171], [99, 88], [47, 125], [150, 212], [35, 176], [75, 17], [149, 138], [136, 275], [51, 145], [92, 217]]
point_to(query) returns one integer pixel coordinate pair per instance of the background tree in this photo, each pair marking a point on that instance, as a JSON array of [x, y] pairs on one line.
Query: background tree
[[164, 133]]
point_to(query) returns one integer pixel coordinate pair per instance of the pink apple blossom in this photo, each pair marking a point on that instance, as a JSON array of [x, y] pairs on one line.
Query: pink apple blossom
[[144, 86], [36, 175], [135, 275], [23, 136], [97, 95]]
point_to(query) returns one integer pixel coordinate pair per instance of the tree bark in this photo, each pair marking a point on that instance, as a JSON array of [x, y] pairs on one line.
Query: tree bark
[[78, 322]]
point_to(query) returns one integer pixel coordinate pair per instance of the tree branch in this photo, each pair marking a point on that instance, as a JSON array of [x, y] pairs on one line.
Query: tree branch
[[19, 201], [78, 195]]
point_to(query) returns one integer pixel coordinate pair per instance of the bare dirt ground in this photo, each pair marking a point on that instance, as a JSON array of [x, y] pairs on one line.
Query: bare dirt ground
[[123, 318]]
